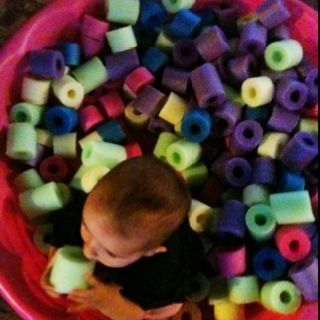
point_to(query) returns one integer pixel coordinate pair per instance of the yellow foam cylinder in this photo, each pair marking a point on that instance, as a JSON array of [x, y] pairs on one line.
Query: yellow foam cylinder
[[219, 292], [309, 125], [92, 176], [93, 136], [65, 145], [174, 109], [272, 144], [135, 119], [229, 311], [76, 180], [165, 140], [35, 91], [44, 137], [164, 42]]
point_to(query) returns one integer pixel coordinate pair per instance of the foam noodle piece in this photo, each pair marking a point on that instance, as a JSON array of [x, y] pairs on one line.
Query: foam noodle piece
[[175, 80], [44, 137], [174, 6], [26, 112], [157, 125], [94, 28], [103, 153], [35, 91], [292, 207], [91, 47], [90, 117], [137, 80], [29, 179], [258, 91], [244, 20], [241, 68], [41, 152], [72, 53], [291, 181], [201, 217], [164, 42], [275, 76], [112, 132], [260, 222], [65, 145], [183, 154], [233, 96], [94, 136], [21, 141], [309, 311], [122, 39], [301, 150], [69, 270], [185, 54], [155, 60], [309, 125], [199, 288], [305, 276], [256, 194], [150, 10], [196, 175], [77, 178], [219, 292], [229, 311], [92, 176], [264, 171], [312, 82], [41, 200], [54, 168], [283, 55], [244, 290], [69, 91], [91, 75], [123, 11], [273, 144], [282, 297], [41, 238], [112, 104], [134, 118], [133, 150], [293, 242], [232, 262], [165, 140], [47, 64]]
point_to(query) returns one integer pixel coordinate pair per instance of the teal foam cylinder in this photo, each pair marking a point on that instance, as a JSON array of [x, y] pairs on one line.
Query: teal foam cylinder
[[69, 270], [219, 291], [21, 141], [281, 297], [91, 75], [123, 11], [27, 112], [29, 179], [183, 154], [244, 290], [292, 207], [164, 141], [98, 153], [261, 223], [199, 289], [256, 194]]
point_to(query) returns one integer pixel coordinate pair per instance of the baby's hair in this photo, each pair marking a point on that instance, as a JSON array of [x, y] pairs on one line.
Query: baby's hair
[[146, 197]]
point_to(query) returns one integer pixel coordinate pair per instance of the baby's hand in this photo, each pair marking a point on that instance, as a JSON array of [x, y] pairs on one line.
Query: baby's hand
[[98, 297]]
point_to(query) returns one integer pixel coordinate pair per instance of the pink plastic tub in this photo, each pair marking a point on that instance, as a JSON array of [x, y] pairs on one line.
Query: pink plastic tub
[[21, 264]]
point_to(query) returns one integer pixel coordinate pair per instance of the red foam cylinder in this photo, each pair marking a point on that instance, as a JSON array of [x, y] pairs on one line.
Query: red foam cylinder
[[133, 150], [112, 104], [54, 169], [311, 112], [293, 243], [138, 79], [90, 117]]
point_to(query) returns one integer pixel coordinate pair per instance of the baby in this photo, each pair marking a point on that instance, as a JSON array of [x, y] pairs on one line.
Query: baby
[[133, 224]]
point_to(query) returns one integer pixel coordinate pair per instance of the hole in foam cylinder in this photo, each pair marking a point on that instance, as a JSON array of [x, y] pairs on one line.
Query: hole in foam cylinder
[[252, 93], [21, 117], [53, 168], [277, 57], [308, 142], [71, 94], [294, 246], [58, 121], [260, 220], [238, 172], [285, 297], [269, 265], [248, 133], [295, 96], [195, 129], [176, 157]]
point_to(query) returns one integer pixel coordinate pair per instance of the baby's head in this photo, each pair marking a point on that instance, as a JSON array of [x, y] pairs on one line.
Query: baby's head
[[132, 211]]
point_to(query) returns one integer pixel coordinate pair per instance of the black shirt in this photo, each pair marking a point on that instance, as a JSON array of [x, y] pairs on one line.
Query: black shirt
[[152, 282]]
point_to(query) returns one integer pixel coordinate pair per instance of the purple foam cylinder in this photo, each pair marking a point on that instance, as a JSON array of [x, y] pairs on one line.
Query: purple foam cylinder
[[276, 76], [91, 47], [246, 137], [176, 80], [157, 125], [312, 172], [306, 276], [312, 82], [212, 43], [119, 65], [283, 120], [232, 220], [291, 94], [226, 118], [272, 13], [301, 150], [185, 54], [241, 68], [222, 66], [253, 39], [47, 64], [207, 86], [149, 101], [264, 171], [315, 245], [279, 33], [310, 229], [228, 13]]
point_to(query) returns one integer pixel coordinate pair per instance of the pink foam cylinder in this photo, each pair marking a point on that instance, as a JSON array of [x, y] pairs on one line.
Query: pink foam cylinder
[[138, 79], [91, 47], [293, 243], [94, 28], [90, 118], [133, 150], [309, 312], [112, 104]]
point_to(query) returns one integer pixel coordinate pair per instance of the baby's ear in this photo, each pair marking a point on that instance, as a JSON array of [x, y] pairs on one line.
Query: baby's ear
[[155, 251]]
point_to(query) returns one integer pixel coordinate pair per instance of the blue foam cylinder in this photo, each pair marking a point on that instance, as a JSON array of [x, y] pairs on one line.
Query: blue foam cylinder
[[61, 120], [269, 265], [184, 24], [153, 14], [112, 132], [196, 125], [291, 181], [155, 60], [72, 53]]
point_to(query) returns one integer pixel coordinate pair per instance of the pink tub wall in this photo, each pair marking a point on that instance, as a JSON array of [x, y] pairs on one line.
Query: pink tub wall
[[21, 264]]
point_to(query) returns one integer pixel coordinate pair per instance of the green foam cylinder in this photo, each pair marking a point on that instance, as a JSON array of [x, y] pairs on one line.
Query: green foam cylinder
[[234, 96], [200, 288], [164, 141], [27, 112], [123, 11], [91, 75], [261, 223], [244, 290], [21, 141], [65, 145], [283, 55], [281, 297], [292, 207], [44, 137], [309, 125], [122, 39], [183, 154], [92, 176], [196, 175], [76, 181], [173, 6], [98, 153], [219, 291], [69, 270], [29, 179], [255, 194], [42, 200]]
